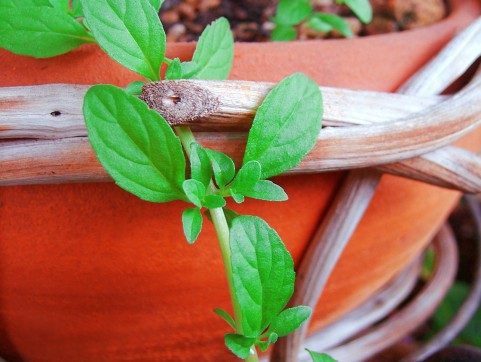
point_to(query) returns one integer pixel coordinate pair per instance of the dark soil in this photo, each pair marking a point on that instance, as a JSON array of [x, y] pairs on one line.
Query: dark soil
[[184, 20]]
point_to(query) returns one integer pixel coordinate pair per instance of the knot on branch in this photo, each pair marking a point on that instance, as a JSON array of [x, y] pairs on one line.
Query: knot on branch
[[179, 101]]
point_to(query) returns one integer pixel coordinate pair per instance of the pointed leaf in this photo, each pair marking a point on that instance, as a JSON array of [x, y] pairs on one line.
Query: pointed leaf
[[195, 191], [225, 316], [223, 167], [40, 32], [248, 176], [213, 201], [266, 190], [289, 320], [239, 198], [283, 33], [362, 9], [239, 345], [215, 51], [156, 4], [135, 144], [134, 88], [286, 125], [292, 12], [192, 224], [200, 166], [319, 25], [174, 71], [130, 32], [320, 357], [336, 22], [263, 272]]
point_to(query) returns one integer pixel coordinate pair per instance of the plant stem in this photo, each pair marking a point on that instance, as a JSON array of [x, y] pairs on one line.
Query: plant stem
[[222, 230]]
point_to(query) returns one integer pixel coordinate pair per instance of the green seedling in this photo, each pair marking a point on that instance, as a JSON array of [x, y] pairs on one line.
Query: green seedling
[[291, 13], [148, 158]]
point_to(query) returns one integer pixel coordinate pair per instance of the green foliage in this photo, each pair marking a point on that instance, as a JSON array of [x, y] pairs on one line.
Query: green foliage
[[134, 88], [263, 278], [40, 32], [286, 125], [291, 13], [320, 357], [225, 316], [130, 32], [134, 144], [192, 224], [11, 4], [222, 166]]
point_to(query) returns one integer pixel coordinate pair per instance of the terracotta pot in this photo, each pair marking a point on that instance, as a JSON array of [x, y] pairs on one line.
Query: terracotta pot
[[90, 273]]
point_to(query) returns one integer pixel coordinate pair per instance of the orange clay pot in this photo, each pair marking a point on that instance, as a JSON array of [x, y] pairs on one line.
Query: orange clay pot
[[89, 272]]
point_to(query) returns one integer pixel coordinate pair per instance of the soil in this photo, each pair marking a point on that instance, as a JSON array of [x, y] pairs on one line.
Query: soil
[[184, 20]]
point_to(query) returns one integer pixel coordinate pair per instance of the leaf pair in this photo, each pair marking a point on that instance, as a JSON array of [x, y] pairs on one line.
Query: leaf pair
[[263, 278]]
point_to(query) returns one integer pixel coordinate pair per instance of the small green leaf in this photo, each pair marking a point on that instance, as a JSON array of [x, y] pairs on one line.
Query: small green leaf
[[192, 224], [289, 320], [362, 9], [130, 32], [40, 32], [135, 144], [292, 12], [262, 271], [223, 167], [189, 70], [319, 25], [283, 33], [134, 88], [200, 166], [248, 176], [239, 345], [286, 125], [214, 52], [336, 22], [230, 215], [266, 190], [213, 201], [271, 340], [195, 191], [174, 71], [225, 316], [320, 357]]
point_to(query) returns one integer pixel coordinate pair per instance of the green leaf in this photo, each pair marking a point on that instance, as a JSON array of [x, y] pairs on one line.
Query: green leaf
[[213, 201], [266, 190], [319, 25], [195, 191], [271, 340], [248, 176], [225, 316], [40, 32], [362, 9], [262, 271], [192, 224], [174, 71], [320, 357], [239, 198], [135, 144], [214, 52], [60, 4], [189, 70], [134, 88], [156, 4], [286, 125], [283, 33], [239, 345], [292, 12], [223, 167], [289, 320], [130, 32], [200, 166], [336, 22]]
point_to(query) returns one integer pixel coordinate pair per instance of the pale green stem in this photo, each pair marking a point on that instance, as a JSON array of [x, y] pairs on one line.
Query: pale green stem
[[222, 230]]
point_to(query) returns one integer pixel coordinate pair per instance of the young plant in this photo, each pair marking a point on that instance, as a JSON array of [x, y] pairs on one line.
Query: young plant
[[148, 158], [291, 13]]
